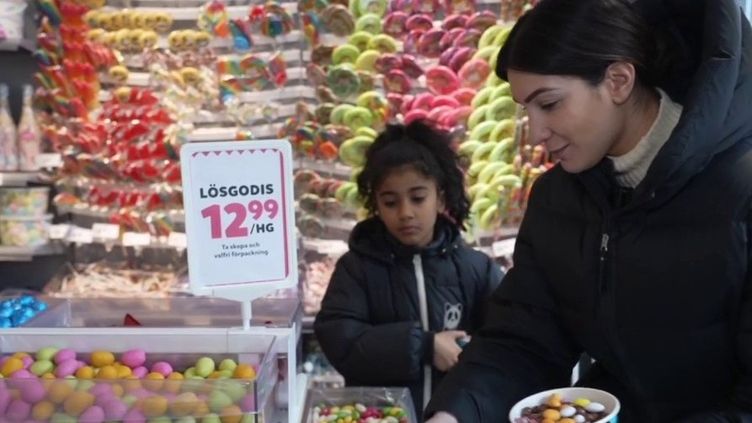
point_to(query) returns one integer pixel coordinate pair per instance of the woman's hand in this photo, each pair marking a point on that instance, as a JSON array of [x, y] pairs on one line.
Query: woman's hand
[[445, 349]]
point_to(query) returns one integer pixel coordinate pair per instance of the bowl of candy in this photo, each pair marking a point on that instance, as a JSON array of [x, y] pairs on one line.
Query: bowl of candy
[[567, 405]]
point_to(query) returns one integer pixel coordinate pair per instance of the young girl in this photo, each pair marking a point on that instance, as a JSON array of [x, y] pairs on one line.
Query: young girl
[[409, 289], [636, 247]]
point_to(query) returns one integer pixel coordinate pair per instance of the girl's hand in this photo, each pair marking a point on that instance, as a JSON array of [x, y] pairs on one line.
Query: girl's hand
[[445, 349]]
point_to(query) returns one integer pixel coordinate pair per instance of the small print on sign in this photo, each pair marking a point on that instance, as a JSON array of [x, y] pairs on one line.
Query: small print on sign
[[136, 239], [239, 217], [59, 231], [105, 231], [177, 240], [80, 235], [504, 248]]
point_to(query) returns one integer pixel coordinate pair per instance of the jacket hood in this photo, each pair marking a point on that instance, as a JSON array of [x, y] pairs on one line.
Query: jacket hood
[[712, 80], [371, 238]]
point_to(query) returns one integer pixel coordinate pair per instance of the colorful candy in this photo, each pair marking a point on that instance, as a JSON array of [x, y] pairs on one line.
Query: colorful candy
[[556, 409]]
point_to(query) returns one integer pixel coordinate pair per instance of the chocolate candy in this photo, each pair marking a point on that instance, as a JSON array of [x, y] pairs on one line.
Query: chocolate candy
[[555, 409]]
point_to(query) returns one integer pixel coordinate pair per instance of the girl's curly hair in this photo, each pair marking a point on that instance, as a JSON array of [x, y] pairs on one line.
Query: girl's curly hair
[[429, 151]]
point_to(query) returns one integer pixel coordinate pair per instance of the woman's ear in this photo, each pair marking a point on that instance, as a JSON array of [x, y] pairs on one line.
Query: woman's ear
[[619, 81]]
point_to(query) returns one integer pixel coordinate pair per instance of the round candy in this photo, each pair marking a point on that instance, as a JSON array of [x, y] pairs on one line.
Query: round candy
[[441, 80], [114, 409], [107, 373], [64, 355], [244, 371], [387, 62], [343, 80], [162, 367], [59, 391], [429, 44], [18, 410], [461, 56], [184, 404], [93, 414], [360, 40], [447, 40], [395, 24], [86, 372], [383, 43], [42, 411], [338, 20], [474, 73], [134, 358], [346, 53], [369, 23], [140, 372], [377, 7], [397, 81], [154, 406], [32, 391], [468, 38], [153, 381], [411, 67], [410, 45], [482, 20], [47, 353], [11, 366], [204, 366]]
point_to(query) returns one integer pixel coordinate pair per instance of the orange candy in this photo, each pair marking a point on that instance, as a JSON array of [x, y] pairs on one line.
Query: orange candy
[[174, 382], [201, 410], [86, 372], [43, 411], [184, 404], [131, 383], [107, 373], [11, 366], [122, 371], [153, 381], [78, 402], [102, 358], [59, 391], [231, 414], [154, 406], [244, 371]]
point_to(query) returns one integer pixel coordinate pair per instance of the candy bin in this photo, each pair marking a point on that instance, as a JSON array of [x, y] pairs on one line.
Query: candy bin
[[91, 375], [23, 202], [359, 404], [22, 308], [24, 231]]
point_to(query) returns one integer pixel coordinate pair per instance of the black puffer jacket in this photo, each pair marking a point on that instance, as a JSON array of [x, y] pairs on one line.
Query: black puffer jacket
[[657, 289], [370, 325]]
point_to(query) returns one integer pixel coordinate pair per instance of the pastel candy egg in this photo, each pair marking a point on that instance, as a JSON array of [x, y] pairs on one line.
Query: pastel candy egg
[[219, 400], [101, 390], [134, 416], [204, 366], [162, 367], [234, 389], [59, 391], [85, 385], [228, 364], [23, 374], [129, 400], [248, 404], [27, 361], [11, 365], [184, 404], [102, 358], [64, 355], [161, 419], [140, 372], [32, 391], [231, 414], [42, 411], [62, 418], [114, 409], [567, 411], [244, 371], [41, 367], [186, 419], [580, 418], [93, 414], [595, 407], [123, 371], [211, 418], [133, 358], [190, 372], [107, 373], [4, 400], [18, 410], [153, 381], [582, 402], [66, 368], [86, 372], [154, 406], [47, 353], [174, 382], [78, 402]]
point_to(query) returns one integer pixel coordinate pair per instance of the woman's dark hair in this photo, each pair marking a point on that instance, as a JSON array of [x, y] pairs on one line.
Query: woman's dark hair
[[426, 149], [581, 38]]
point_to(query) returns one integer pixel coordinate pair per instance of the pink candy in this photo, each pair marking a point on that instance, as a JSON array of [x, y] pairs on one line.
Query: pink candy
[[134, 416], [18, 410], [27, 361], [133, 358], [32, 391], [114, 409], [162, 367], [66, 368], [64, 355], [140, 372], [93, 414]]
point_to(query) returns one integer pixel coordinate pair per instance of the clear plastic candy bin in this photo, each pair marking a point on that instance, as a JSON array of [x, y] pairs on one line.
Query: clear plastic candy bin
[[360, 404], [186, 399]]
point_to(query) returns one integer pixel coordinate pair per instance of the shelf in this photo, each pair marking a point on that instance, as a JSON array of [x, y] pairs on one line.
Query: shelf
[[27, 253], [324, 168], [19, 179]]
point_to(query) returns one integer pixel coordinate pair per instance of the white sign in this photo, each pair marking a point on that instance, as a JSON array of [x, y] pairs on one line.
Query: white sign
[[177, 240], [49, 160], [80, 235], [504, 248], [136, 239], [239, 217], [59, 231], [105, 231]]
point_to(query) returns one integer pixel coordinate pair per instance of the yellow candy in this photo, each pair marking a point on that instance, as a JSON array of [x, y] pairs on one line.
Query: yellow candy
[[11, 366], [107, 373], [174, 382], [123, 371], [59, 391], [153, 381], [567, 420], [552, 414], [548, 421], [131, 383], [49, 376], [201, 410], [21, 355], [184, 404], [154, 406], [86, 372], [102, 358], [43, 411], [582, 402], [554, 400], [78, 402], [244, 371]]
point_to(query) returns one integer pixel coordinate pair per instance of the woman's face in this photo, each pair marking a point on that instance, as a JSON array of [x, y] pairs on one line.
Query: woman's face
[[577, 123]]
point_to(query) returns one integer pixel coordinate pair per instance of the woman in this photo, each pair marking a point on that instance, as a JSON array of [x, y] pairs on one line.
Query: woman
[[636, 247]]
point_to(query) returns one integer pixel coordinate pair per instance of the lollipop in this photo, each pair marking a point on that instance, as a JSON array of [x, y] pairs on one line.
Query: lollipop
[[338, 20], [272, 18], [311, 27], [278, 69], [343, 80], [50, 11], [214, 19], [241, 34]]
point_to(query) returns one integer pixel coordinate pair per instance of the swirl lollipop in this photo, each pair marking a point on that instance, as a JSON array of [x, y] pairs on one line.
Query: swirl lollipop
[[214, 19], [273, 19]]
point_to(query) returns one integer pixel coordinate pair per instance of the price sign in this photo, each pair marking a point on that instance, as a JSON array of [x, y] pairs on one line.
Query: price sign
[[105, 231], [80, 235], [136, 239], [177, 240], [59, 231], [49, 160], [239, 217]]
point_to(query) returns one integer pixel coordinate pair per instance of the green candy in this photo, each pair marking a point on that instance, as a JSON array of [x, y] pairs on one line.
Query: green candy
[[205, 366], [248, 418], [218, 401], [62, 418], [225, 374], [190, 372], [186, 419], [41, 367], [85, 385], [129, 400], [228, 364], [47, 353], [161, 419], [235, 390], [193, 384], [211, 418]]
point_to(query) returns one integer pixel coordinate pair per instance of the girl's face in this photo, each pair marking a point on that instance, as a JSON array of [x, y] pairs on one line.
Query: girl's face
[[408, 203], [577, 123]]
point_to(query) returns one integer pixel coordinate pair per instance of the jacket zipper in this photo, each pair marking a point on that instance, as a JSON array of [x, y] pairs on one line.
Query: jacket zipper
[[420, 279]]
